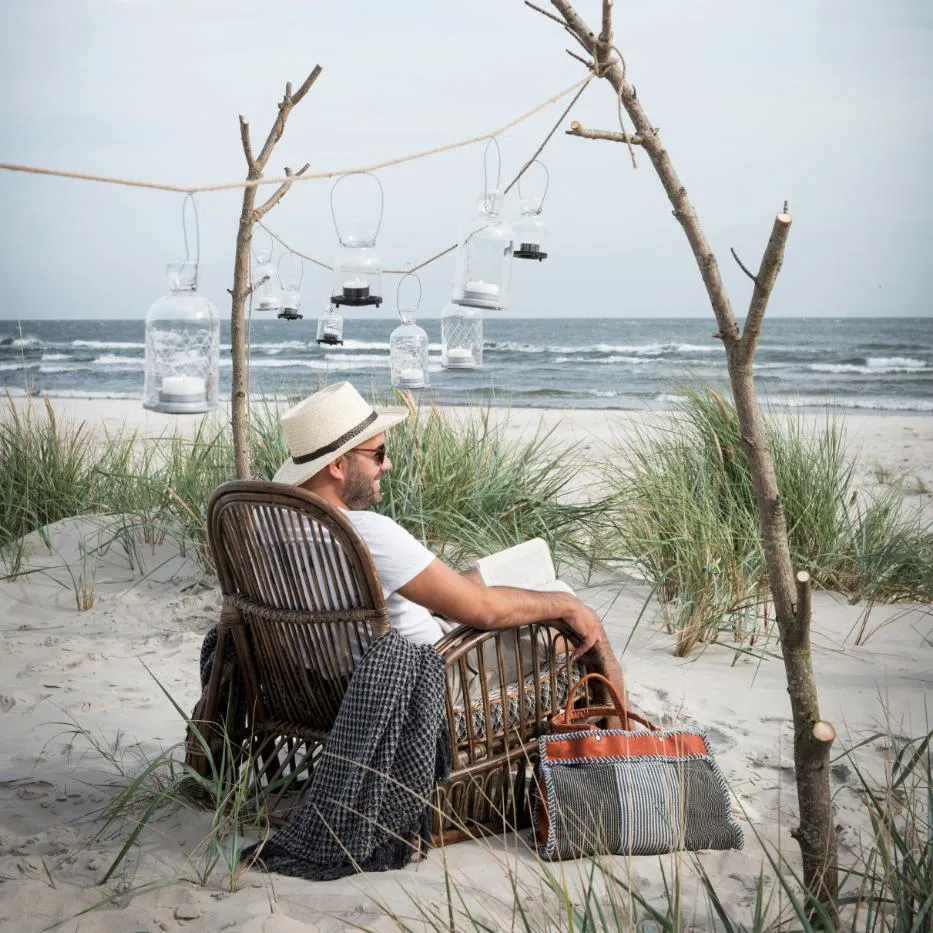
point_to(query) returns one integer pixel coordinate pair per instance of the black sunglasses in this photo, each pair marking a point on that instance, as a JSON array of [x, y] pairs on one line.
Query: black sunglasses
[[379, 453]]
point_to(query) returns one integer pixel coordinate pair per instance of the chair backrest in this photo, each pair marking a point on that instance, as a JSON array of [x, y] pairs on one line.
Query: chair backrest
[[303, 582]]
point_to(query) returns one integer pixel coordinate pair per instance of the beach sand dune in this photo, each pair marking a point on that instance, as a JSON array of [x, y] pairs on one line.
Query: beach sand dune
[[70, 679]]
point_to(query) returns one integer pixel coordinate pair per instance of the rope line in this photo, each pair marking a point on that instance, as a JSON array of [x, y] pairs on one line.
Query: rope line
[[426, 262], [311, 176]]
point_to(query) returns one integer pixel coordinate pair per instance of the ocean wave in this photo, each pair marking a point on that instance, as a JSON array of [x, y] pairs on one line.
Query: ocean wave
[[605, 360], [638, 349], [804, 401], [112, 359], [874, 366], [106, 345]]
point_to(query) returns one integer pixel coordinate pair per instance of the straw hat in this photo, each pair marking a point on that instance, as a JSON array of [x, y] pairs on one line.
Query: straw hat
[[326, 425]]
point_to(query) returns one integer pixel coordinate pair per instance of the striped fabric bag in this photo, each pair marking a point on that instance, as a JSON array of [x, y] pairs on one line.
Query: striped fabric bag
[[621, 792]]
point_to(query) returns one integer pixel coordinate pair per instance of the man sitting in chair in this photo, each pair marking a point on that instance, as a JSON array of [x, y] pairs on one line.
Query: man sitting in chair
[[338, 451]]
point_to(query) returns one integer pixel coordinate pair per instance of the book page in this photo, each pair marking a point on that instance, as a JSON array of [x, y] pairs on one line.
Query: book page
[[527, 565]]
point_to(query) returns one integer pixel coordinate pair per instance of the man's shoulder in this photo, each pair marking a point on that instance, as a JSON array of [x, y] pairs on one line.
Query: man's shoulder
[[373, 522]]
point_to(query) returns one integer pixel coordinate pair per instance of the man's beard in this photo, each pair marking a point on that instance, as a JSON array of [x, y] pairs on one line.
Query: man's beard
[[358, 492]]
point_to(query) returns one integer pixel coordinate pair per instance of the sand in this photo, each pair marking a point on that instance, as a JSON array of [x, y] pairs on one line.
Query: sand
[[69, 679]]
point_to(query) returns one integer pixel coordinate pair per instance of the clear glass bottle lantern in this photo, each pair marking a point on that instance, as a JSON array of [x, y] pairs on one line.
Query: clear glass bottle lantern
[[330, 328], [531, 228], [357, 281], [408, 346], [182, 347], [265, 279], [461, 337], [290, 276], [484, 257]]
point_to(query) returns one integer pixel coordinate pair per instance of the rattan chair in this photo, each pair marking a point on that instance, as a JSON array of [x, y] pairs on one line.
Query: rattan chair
[[301, 602]]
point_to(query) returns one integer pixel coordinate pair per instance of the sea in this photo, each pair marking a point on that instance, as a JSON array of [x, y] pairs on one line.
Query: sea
[[877, 364]]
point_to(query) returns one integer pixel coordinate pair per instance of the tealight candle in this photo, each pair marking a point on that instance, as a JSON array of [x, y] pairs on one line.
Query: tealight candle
[[411, 377], [267, 303], [481, 289], [183, 386]]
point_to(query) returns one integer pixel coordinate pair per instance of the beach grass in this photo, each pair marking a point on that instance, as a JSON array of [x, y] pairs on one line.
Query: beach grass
[[686, 516]]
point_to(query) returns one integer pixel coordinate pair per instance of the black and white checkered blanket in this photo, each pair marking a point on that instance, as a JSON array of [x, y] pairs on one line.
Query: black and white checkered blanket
[[370, 796]]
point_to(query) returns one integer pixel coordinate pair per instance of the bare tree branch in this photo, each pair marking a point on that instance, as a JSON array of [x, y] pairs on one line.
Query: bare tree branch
[[285, 108], [538, 9], [605, 36], [279, 193], [247, 145], [609, 135], [590, 66], [735, 256], [771, 263]]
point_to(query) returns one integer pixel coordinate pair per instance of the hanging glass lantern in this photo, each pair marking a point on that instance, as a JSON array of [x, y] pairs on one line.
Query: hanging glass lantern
[[531, 229], [290, 279], [484, 252], [408, 345], [264, 277], [357, 281], [330, 328], [461, 337], [182, 347]]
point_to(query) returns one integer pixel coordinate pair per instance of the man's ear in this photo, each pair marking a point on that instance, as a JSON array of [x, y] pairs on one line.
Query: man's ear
[[336, 468]]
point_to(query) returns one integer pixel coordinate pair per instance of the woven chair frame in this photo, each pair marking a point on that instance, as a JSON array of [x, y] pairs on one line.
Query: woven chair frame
[[301, 603]]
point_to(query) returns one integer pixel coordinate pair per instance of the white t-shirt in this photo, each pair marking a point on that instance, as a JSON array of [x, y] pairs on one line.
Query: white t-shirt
[[399, 557]]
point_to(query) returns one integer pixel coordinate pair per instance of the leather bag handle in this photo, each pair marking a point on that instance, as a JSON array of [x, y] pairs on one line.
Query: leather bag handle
[[569, 719]]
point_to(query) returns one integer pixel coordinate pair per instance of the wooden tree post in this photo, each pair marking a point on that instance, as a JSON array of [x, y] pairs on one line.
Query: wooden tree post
[[241, 291], [812, 737]]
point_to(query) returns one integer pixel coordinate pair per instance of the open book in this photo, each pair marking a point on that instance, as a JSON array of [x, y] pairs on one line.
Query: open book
[[527, 565]]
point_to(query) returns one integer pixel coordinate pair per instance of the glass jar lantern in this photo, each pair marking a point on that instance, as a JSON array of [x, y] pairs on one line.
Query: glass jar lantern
[[408, 345], [531, 232], [357, 280], [531, 229], [484, 257], [461, 337], [182, 347], [265, 279], [330, 329], [289, 277]]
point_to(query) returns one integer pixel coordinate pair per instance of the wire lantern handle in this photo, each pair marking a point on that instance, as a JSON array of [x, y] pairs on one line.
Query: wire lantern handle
[[547, 182], [333, 212], [301, 267], [492, 142], [398, 293], [197, 234], [267, 252]]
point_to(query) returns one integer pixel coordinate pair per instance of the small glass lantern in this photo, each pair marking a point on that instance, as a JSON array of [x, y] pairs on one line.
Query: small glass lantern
[[531, 229], [264, 277], [484, 257], [290, 279], [357, 281], [330, 329], [461, 337], [408, 346], [182, 347]]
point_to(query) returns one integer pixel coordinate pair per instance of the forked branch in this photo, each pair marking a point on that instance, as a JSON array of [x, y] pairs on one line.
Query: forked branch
[[610, 135]]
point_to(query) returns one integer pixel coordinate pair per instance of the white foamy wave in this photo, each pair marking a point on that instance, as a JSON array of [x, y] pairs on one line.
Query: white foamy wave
[[640, 350], [603, 361], [107, 345], [13, 367], [874, 366], [865, 404], [111, 359], [49, 357]]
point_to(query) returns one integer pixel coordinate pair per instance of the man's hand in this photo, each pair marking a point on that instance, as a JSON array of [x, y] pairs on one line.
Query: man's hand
[[586, 624]]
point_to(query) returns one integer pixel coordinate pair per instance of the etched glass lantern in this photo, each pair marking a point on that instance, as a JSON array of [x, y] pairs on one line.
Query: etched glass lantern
[[531, 229], [330, 328], [265, 279], [357, 281], [182, 347], [461, 337], [408, 346], [484, 257], [290, 273]]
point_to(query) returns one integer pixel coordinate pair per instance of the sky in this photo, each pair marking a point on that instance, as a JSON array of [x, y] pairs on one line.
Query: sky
[[824, 104]]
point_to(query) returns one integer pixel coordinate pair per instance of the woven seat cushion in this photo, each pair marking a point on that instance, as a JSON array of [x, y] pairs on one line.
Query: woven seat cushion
[[513, 694]]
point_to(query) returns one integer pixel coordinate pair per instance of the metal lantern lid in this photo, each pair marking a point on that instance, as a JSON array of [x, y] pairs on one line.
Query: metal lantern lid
[[357, 279]]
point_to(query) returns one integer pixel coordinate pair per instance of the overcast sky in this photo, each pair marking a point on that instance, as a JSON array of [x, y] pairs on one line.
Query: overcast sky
[[827, 104]]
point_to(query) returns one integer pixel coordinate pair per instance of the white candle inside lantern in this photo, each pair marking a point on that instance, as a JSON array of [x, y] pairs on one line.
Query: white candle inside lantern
[[459, 353], [266, 302], [479, 289], [183, 386], [355, 283], [411, 375]]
